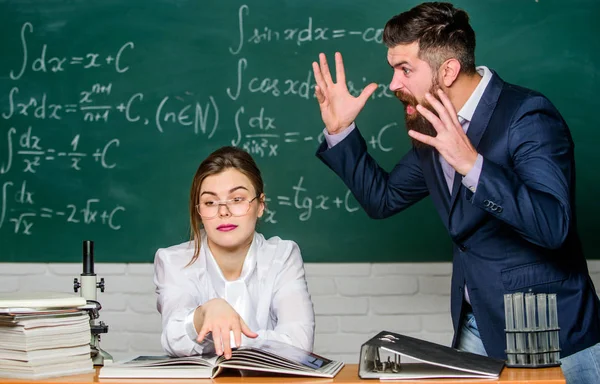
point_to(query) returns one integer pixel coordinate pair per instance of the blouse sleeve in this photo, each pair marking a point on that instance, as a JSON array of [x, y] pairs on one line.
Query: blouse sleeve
[[291, 305], [176, 304]]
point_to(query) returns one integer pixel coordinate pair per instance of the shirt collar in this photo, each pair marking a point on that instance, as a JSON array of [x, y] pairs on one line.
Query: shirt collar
[[468, 110], [214, 271]]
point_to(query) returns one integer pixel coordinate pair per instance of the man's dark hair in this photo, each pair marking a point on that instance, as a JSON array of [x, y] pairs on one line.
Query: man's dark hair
[[442, 32]]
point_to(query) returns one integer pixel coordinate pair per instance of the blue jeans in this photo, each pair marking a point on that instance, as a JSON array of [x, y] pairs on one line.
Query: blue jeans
[[469, 339], [582, 367]]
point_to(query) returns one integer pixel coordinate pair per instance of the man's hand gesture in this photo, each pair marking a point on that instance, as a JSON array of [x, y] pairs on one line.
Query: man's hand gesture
[[338, 107]]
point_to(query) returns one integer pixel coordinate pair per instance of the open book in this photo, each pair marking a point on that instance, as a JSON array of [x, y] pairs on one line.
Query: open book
[[381, 358], [266, 356]]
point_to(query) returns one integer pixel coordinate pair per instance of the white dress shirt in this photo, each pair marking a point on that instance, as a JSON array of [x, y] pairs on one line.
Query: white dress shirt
[[271, 294]]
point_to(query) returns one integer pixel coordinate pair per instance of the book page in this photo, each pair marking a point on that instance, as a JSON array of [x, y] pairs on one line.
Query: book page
[[277, 357], [164, 361], [40, 300], [161, 367], [282, 352]]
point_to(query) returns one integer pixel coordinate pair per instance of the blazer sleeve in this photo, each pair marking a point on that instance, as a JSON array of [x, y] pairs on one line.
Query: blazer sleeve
[[533, 195], [381, 194]]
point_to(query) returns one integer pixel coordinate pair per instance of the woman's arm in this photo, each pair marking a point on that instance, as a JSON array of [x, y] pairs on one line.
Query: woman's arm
[[291, 304], [176, 304]]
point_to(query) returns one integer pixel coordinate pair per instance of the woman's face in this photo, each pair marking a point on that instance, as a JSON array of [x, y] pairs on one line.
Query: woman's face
[[230, 225]]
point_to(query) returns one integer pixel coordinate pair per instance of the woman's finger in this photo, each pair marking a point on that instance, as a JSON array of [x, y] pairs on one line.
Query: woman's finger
[[217, 340], [226, 337]]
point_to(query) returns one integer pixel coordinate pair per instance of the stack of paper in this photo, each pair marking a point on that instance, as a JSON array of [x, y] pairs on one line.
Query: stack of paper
[[43, 335]]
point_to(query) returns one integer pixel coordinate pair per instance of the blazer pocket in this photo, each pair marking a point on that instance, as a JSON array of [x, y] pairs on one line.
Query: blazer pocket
[[529, 275]]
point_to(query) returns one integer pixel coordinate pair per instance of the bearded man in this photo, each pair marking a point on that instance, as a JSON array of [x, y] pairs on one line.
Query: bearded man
[[498, 162]]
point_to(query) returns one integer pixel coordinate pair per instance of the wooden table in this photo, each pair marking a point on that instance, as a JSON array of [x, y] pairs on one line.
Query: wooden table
[[349, 374]]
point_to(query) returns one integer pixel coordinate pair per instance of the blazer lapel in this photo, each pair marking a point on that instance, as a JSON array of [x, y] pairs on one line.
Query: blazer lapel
[[479, 123], [437, 182]]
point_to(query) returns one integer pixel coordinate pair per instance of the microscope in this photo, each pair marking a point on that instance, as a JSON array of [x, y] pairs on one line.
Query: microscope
[[87, 287]]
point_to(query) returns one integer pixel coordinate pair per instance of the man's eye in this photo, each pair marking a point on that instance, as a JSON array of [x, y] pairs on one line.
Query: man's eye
[[406, 71]]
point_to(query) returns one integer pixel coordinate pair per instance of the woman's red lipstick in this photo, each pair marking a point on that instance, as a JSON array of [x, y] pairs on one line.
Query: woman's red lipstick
[[226, 227]]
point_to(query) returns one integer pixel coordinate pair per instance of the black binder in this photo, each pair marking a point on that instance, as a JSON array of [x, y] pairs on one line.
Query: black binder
[[381, 358]]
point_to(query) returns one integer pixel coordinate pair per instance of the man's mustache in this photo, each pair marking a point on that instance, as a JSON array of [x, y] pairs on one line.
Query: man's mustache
[[406, 98]]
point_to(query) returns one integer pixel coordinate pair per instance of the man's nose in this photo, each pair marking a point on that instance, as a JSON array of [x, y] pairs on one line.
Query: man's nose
[[396, 84]]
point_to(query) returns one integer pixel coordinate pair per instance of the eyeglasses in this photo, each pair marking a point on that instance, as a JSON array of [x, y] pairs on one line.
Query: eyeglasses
[[238, 206]]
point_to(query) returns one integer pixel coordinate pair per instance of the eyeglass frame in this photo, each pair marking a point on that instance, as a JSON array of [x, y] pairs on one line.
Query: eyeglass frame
[[224, 202]]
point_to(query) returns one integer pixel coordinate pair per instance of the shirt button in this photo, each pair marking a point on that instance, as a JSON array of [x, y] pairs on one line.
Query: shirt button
[[462, 248]]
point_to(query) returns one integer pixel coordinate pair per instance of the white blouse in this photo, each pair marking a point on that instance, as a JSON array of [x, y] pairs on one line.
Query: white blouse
[[271, 294]]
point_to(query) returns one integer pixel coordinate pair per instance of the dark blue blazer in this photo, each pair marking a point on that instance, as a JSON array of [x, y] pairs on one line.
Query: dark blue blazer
[[517, 233]]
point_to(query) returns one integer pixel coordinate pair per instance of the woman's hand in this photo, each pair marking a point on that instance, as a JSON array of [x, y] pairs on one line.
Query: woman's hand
[[219, 318]]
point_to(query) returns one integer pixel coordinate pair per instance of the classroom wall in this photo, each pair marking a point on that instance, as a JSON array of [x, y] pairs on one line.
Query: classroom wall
[[352, 302]]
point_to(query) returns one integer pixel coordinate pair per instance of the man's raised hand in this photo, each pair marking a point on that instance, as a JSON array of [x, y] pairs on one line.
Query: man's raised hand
[[338, 107]]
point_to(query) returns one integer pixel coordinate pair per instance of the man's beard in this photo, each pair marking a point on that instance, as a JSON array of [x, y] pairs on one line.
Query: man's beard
[[416, 121]]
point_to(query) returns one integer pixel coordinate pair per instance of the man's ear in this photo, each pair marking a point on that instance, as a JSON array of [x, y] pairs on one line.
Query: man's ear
[[449, 72]]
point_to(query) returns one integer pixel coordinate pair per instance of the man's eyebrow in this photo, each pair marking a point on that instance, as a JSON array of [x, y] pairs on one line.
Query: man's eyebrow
[[403, 62]]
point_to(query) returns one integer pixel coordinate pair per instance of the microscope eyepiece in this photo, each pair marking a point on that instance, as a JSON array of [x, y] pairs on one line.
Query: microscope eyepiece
[[88, 258]]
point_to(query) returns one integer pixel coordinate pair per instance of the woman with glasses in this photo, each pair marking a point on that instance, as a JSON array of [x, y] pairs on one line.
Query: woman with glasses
[[230, 284]]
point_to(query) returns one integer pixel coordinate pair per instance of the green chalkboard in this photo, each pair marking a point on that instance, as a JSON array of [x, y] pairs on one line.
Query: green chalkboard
[[107, 108]]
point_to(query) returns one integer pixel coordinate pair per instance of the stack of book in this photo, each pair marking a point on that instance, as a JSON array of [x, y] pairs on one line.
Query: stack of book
[[43, 335]]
